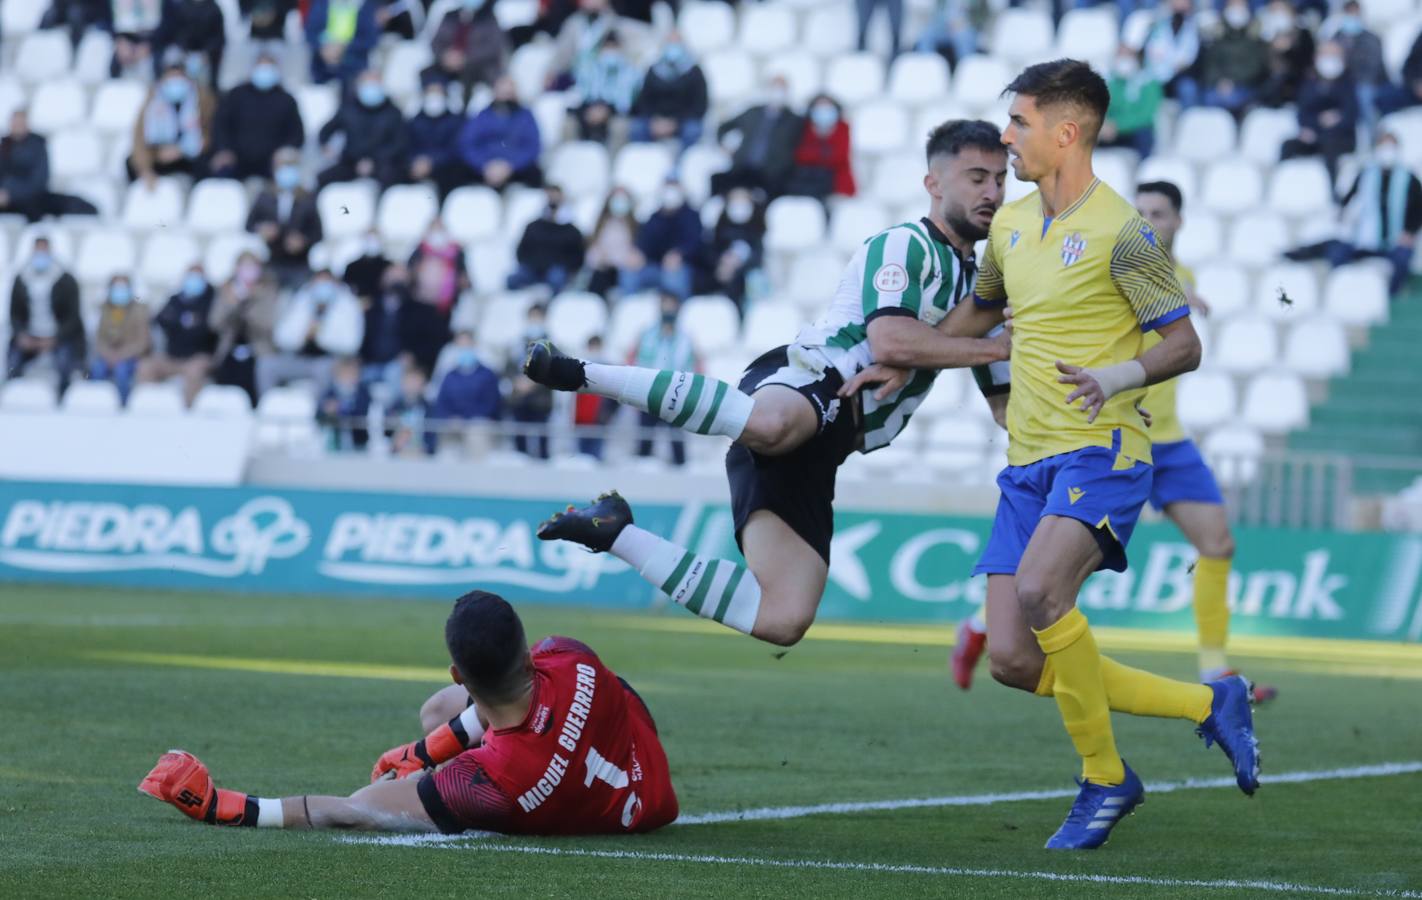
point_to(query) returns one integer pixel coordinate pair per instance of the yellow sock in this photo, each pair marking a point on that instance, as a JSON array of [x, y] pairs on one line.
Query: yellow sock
[[1081, 696], [1140, 693], [1212, 612], [1045, 686]]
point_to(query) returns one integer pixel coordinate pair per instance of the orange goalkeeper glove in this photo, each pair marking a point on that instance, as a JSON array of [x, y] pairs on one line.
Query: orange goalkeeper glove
[[181, 779], [440, 745]]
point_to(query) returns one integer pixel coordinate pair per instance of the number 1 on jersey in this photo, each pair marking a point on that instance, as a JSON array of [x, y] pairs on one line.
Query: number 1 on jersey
[[603, 770]]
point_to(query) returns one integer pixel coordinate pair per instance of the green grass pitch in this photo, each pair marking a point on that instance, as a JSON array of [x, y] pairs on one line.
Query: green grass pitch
[[297, 695]]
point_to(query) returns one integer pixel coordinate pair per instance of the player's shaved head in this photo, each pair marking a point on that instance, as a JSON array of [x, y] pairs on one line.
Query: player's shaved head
[[1066, 89], [487, 646]]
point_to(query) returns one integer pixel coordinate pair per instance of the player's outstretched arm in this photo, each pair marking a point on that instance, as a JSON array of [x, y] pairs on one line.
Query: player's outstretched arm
[[909, 343], [1177, 353]]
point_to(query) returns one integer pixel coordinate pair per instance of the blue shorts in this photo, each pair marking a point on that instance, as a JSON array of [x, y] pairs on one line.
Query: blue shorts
[[1085, 485], [1181, 475]]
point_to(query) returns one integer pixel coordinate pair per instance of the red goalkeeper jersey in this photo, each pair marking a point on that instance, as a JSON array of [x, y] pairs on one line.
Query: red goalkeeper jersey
[[586, 760]]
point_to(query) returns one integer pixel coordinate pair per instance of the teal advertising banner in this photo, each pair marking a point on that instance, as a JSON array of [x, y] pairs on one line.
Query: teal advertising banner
[[888, 566]]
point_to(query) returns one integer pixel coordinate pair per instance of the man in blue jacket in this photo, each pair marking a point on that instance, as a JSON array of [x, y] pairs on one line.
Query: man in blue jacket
[[470, 391], [670, 240], [501, 144]]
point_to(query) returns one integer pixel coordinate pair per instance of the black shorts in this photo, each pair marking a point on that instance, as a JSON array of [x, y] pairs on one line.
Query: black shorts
[[798, 486]]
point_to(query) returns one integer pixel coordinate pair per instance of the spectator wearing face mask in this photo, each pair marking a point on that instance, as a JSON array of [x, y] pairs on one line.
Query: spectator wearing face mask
[[195, 28], [604, 86], [582, 34], [188, 339], [44, 316], [242, 317], [78, 17], [399, 331], [530, 404], [613, 248], [372, 138], [1362, 62], [736, 247], [253, 121], [953, 30], [1328, 112], [664, 344], [670, 241], [320, 321], [121, 338], [341, 34], [405, 418], [468, 392], [472, 32], [24, 170], [134, 23], [551, 250], [823, 157], [434, 141], [344, 399], [1291, 53], [173, 129], [672, 100], [1234, 62], [437, 270], [1172, 48], [286, 217], [363, 274], [1135, 99], [762, 143], [501, 143]]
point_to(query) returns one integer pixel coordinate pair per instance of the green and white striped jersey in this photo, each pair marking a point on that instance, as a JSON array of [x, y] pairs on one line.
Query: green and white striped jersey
[[906, 270]]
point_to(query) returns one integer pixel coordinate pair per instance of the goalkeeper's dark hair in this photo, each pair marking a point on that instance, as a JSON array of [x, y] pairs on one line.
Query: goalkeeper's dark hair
[[1166, 189], [956, 135], [1066, 83], [487, 645]]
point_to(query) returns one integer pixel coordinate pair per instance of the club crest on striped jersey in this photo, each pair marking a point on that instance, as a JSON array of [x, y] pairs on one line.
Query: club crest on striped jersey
[[890, 279], [1073, 246]]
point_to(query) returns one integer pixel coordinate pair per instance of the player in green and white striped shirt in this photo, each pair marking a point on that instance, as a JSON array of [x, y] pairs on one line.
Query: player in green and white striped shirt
[[791, 419]]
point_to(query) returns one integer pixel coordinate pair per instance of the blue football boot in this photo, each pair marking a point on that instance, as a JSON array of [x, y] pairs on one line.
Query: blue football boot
[[1096, 811], [1231, 725]]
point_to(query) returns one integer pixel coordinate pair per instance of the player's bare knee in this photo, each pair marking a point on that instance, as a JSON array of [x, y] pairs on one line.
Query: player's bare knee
[[434, 712], [1015, 671], [1218, 546], [768, 429], [1034, 598], [781, 630]]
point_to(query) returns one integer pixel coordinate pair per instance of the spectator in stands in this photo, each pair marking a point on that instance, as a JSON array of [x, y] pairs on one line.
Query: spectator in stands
[[1328, 111], [470, 44], [552, 248], [613, 248], [374, 143], [501, 143], [188, 339], [1410, 94], [121, 338], [665, 342], [673, 99], [954, 28], [344, 398], [823, 156], [1234, 62], [78, 17], [469, 392], [365, 273], [604, 86], [438, 270], [894, 9], [1290, 53], [134, 23], [24, 170], [530, 406], [320, 321], [670, 243], [266, 22], [1172, 49], [549, 20], [394, 17], [736, 247], [44, 316], [195, 29], [399, 331], [242, 318], [341, 34], [762, 142], [253, 121], [171, 136], [405, 418], [434, 142], [1380, 216], [581, 37], [591, 413], [285, 215], [1136, 95]]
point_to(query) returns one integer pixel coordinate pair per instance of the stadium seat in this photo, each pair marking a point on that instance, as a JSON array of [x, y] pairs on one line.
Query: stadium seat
[[1287, 292], [43, 56], [103, 253], [222, 401], [631, 317], [166, 256], [522, 206], [1204, 134], [1199, 239], [57, 105], [550, 112], [830, 32], [1397, 43], [947, 396], [771, 323], [27, 395], [1232, 186], [814, 276], [766, 29], [1234, 452], [731, 79], [346, 208], [1206, 399], [712, 322], [216, 205], [1246, 344], [1379, 14], [220, 259], [12, 97], [287, 418], [1088, 33], [317, 104], [91, 398], [917, 79], [116, 106], [956, 444], [19, 17], [854, 220], [1180, 172], [794, 223], [573, 317], [1117, 168], [580, 168], [1021, 36], [91, 60], [979, 80], [1275, 403], [1356, 295], [880, 127], [401, 72], [162, 399], [160, 207], [641, 169], [1224, 287], [473, 213], [499, 325], [803, 73], [697, 166], [898, 181], [1300, 187], [75, 154], [1317, 348], [706, 26], [1136, 29], [1257, 239], [512, 13], [854, 78], [529, 66], [406, 211], [489, 263], [1264, 132]]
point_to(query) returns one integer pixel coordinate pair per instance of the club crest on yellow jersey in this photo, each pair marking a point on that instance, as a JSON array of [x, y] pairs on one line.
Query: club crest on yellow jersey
[[1073, 246]]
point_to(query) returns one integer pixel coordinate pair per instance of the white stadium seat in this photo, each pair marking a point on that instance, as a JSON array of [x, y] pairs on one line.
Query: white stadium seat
[[75, 154], [401, 73], [804, 74], [1136, 28], [697, 165], [642, 169], [794, 223], [286, 417], [501, 322], [19, 17], [917, 79], [706, 26], [1397, 43], [57, 105], [1257, 239], [574, 317], [166, 256], [854, 78], [1021, 36], [731, 78], [161, 207], [1287, 292], [1356, 295], [1224, 287], [1204, 134], [105, 252], [814, 276], [1379, 14], [766, 29], [1264, 132], [880, 127], [220, 259], [1317, 348], [898, 180], [116, 106], [1246, 344], [1300, 187], [521, 206], [317, 104], [1200, 239], [580, 168], [854, 220], [1275, 403], [1206, 399], [956, 445], [1180, 172], [489, 263], [217, 205], [979, 81], [830, 31], [529, 67], [162, 399], [91, 60], [771, 323], [1088, 33], [43, 56], [1232, 186], [91, 398], [12, 97], [713, 323], [1117, 168], [27, 395], [406, 211], [346, 208], [473, 213], [1233, 453], [631, 318], [222, 401]]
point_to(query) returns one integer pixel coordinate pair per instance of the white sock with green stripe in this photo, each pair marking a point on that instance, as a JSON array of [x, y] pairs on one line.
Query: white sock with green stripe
[[683, 399], [715, 589]]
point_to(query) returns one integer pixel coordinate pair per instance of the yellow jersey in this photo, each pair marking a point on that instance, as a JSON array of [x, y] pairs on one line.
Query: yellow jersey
[[1160, 398], [1084, 287]]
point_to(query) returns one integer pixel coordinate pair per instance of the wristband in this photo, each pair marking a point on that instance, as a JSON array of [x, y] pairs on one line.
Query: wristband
[[1125, 376]]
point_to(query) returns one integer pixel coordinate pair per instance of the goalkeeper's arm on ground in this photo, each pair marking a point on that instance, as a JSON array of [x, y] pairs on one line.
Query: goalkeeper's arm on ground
[[439, 746]]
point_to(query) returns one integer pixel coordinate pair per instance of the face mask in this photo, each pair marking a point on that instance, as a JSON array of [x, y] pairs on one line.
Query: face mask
[[739, 211], [120, 295], [1273, 24], [196, 67], [372, 246], [40, 262], [1329, 67], [437, 240], [370, 94], [672, 198], [619, 205], [1236, 16], [473, 4], [609, 57], [174, 90], [468, 358], [824, 117], [193, 285], [1386, 155], [675, 54], [249, 272], [1127, 67], [435, 105], [777, 97], [265, 77], [1350, 25], [288, 177], [323, 291]]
